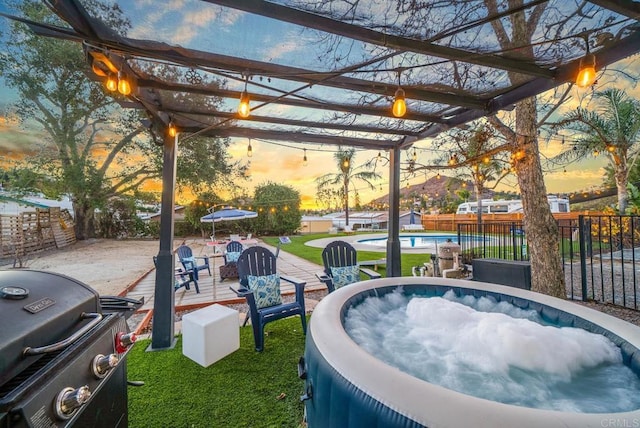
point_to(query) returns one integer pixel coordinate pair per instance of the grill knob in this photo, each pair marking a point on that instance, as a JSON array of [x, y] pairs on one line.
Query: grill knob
[[69, 400], [103, 363], [124, 341]]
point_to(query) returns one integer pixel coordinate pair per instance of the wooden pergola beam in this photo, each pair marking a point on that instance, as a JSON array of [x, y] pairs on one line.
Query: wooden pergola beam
[[322, 23]]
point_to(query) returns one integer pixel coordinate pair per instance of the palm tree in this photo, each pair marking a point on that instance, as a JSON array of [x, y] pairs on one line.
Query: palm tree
[[611, 128], [475, 143], [348, 173]]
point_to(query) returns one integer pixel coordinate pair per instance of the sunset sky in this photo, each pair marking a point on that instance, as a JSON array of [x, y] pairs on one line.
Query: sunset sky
[[282, 162]]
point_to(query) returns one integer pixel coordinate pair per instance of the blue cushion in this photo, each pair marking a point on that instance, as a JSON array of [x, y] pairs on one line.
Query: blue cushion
[[232, 256], [266, 289], [346, 275], [189, 262]]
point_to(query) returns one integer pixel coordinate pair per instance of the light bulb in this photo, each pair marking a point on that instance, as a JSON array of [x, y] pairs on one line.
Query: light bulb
[[399, 105], [305, 162], [249, 150], [244, 109], [587, 74], [172, 130], [112, 82], [124, 87]]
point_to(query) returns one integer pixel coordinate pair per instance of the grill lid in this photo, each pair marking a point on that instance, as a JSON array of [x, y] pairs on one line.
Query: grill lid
[[38, 309]]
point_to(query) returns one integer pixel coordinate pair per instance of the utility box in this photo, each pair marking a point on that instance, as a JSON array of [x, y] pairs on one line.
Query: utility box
[[505, 272], [210, 333]]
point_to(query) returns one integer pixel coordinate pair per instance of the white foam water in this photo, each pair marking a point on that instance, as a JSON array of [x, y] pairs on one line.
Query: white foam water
[[495, 350]]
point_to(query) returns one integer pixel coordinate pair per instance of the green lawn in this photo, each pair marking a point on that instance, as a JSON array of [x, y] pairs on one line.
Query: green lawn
[[244, 389]]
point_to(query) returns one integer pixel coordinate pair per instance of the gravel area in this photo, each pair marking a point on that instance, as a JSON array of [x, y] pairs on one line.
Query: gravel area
[[611, 288]]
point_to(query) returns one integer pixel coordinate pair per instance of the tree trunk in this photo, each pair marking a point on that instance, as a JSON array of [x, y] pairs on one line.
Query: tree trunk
[[83, 217], [623, 193], [346, 202], [479, 192], [540, 226]]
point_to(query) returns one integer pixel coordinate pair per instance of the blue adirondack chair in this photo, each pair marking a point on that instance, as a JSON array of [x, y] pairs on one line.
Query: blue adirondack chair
[[341, 267], [231, 254], [260, 285], [182, 278], [190, 262]]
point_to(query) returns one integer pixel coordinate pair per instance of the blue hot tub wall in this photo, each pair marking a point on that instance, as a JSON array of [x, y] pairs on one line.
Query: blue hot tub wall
[[336, 402]]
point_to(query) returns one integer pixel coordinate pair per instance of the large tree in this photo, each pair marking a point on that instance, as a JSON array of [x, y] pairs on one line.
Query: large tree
[[541, 227], [611, 127], [514, 35], [278, 209], [348, 174], [91, 149]]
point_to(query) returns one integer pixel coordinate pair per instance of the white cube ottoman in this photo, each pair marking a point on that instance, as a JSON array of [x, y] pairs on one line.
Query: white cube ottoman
[[210, 334]]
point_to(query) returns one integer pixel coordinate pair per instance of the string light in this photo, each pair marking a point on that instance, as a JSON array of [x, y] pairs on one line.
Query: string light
[[399, 108], [249, 149], [399, 103], [171, 129], [112, 82], [124, 86], [305, 162], [587, 70], [244, 109]]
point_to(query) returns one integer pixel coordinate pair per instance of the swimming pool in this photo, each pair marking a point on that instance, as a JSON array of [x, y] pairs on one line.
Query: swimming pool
[[416, 241]]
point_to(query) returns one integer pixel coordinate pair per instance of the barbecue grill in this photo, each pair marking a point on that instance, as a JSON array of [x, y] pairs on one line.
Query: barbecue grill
[[62, 357]]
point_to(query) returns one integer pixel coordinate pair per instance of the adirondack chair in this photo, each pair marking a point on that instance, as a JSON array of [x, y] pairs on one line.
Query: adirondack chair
[[182, 278], [341, 267], [260, 285], [231, 254], [190, 262]]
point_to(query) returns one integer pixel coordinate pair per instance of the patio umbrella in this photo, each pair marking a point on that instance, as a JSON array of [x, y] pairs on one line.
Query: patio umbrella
[[226, 214]]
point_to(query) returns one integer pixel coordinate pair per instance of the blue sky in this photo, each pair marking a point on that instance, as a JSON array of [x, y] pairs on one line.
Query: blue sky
[[191, 24]]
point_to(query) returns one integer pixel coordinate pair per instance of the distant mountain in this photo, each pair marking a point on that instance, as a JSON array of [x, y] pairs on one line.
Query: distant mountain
[[434, 188]]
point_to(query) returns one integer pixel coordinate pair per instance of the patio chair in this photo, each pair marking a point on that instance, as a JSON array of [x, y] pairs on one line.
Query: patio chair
[[231, 254], [182, 278], [190, 262], [341, 267], [260, 285]]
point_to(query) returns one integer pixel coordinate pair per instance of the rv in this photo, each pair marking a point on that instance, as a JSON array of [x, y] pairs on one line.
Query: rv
[[489, 206]]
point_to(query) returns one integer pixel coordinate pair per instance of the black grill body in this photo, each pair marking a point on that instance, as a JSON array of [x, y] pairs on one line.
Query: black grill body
[[52, 331]]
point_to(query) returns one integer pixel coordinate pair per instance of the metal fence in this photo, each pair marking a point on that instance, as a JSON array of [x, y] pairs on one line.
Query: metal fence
[[600, 254]]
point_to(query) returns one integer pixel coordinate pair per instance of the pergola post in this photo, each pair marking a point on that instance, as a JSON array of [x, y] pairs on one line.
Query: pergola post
[[394, 267], [162, 336]]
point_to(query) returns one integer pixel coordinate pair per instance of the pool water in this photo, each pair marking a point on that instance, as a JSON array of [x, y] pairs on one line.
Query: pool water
[[495, 350], [415, 241]]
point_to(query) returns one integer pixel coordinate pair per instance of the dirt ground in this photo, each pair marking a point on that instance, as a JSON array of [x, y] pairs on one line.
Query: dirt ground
[[108, 266]]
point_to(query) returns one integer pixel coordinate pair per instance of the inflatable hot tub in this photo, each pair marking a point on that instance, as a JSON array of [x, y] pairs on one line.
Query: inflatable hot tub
[[347, 387]]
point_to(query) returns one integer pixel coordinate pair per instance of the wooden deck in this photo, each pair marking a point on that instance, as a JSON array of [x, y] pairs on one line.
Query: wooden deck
[[215, 290]]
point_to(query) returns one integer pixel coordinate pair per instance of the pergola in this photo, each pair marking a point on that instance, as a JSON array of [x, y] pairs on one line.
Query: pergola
[[327, 72]]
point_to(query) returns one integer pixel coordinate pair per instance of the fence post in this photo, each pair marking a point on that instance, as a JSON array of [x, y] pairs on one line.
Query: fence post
[[582, 233]]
